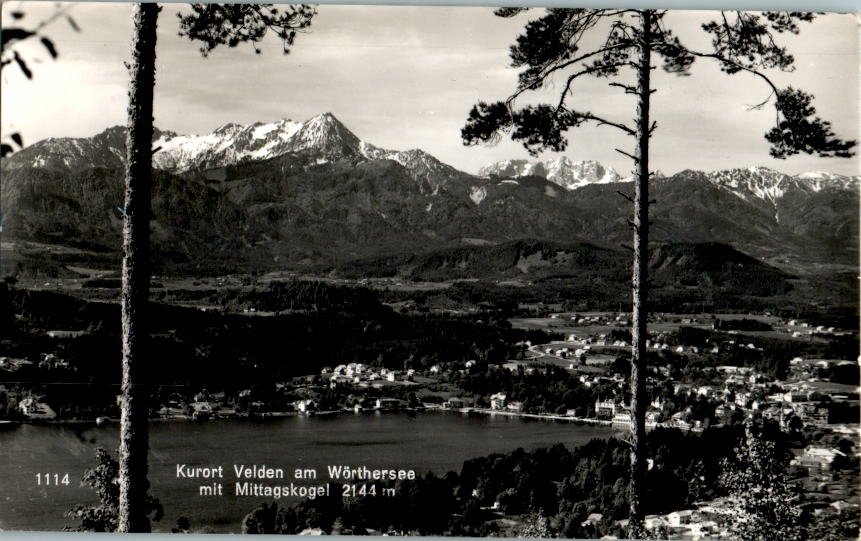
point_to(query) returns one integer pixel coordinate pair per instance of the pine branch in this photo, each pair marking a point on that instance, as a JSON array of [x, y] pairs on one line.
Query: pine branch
[[626, 196], [538, 80], [636, 159], [627, 88]]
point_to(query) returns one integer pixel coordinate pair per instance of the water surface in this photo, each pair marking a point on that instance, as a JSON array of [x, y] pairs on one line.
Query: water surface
[[434, 441]]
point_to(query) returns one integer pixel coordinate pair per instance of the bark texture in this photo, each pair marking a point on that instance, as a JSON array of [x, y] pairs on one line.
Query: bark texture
[[640, 280], [134, 444]]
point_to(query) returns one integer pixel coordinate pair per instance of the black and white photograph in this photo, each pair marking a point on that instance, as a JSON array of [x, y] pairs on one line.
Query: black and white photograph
[[463, 271]]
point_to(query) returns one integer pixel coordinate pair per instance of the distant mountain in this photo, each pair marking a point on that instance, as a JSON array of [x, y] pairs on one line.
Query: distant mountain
[[299, 194], [529, 259], [690, 272], [323, 137], [107, 149], [752, 182], [770, 185], [562, 171]]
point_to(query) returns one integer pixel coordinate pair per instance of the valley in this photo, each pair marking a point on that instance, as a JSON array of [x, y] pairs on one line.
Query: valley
[[302, 276]]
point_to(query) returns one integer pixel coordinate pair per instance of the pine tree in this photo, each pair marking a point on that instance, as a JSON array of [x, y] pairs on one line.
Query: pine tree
[[550, 48], [213, 25], [134, 412]]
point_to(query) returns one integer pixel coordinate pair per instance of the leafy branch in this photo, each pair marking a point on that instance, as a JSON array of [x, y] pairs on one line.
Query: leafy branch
[[13, 36], [232, 24]]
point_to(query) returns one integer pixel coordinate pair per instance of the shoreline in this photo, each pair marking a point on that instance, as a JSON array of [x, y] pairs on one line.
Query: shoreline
[[332, 413]]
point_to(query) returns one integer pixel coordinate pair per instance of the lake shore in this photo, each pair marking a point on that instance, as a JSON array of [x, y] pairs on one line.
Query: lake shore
[[278, 414], [438, 441]]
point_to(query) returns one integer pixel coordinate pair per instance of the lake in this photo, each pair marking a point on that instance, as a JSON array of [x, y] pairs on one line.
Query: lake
[[435, 441]]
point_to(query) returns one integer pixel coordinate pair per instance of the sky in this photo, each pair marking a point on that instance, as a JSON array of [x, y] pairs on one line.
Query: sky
[[405, 77]]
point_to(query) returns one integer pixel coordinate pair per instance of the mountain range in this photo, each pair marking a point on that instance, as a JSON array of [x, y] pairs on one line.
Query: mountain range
[[312, 194], [322, 137], [562, 171]]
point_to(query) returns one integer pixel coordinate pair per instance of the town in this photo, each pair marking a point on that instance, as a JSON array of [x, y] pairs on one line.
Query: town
[[705, 371]]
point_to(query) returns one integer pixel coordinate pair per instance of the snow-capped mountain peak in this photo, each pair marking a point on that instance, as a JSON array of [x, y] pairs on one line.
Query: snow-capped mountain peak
[[758, 182], [749, 183], [323, 138], [770, 185], [562, 171], [817, 180], [325, 134]]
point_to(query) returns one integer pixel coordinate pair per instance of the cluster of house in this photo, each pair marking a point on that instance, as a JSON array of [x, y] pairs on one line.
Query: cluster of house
[[202, 406], [362, 375], [12, 365], [813, 369], [500, 402], [744, 390], [617, 413], [619, 319], [47, 361], [33, 409], [708, 521], [818, 459], [659, 343], [65, 334], [800, 328], [578, 354]]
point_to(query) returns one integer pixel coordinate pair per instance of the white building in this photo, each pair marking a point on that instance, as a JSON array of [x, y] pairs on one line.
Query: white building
[[34, 409], [497, 401]]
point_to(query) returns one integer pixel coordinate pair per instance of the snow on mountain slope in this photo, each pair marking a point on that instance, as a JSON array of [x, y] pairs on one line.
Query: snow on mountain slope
[[817, 180], [324, 137], [106, 149], [756, 182], [562, 171], [751, 183], [232, 143], [770, 185]]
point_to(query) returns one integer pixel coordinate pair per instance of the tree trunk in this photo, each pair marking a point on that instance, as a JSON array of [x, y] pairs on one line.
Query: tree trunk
[[639, 281], [134, 444]]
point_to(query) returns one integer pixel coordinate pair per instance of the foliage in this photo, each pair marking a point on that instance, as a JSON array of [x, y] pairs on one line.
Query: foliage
[[554, 490], [742, 324], [551, 389], [12, 36], [286, 296], [182, 525], [232, 24], [766, 505], [104, 480], [835, 526], [798, 130], [224, 351], [535, 527], [550, 47]]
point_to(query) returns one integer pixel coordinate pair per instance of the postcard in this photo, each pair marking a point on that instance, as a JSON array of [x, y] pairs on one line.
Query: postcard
[[429, 271]]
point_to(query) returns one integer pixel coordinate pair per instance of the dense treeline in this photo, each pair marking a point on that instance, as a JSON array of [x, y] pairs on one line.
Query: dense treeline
[[279, 296], [742, 324], [770, 356], [563, 485], [552, 389], [226, 350]]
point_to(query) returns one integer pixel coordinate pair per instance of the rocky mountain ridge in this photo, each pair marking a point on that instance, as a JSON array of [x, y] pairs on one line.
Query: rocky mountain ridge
[[323, 137], [287, 193], [326, 139], [751, 182]]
